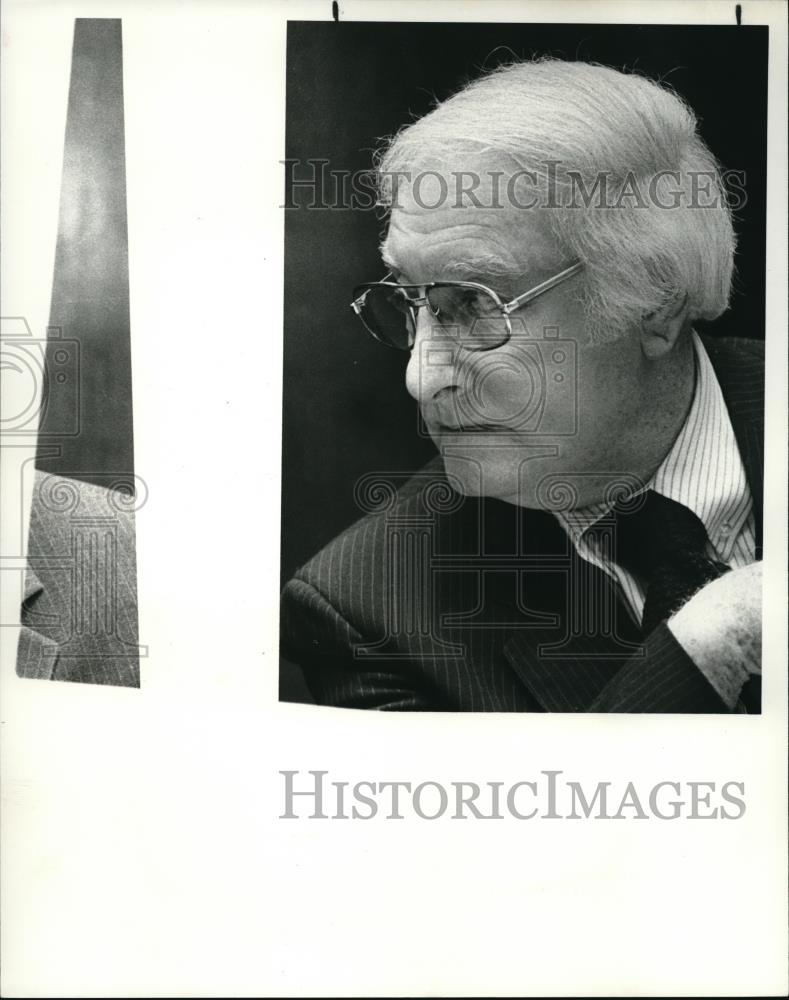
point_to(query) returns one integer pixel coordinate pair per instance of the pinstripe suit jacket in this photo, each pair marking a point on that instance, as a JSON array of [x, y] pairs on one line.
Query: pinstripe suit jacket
[[434, 601], [79, 616]]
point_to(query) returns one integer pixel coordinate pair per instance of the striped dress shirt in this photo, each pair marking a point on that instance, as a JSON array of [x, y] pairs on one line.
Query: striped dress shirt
[[704, 472], [409, 610]]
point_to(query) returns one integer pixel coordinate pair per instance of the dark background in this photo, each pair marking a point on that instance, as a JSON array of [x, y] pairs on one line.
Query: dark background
[[346, 411]]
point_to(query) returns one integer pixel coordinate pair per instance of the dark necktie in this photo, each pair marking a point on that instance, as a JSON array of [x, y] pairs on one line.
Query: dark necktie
[[664, 544]]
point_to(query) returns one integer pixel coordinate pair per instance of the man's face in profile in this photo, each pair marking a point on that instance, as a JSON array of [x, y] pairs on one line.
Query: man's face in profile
[[548, 403]]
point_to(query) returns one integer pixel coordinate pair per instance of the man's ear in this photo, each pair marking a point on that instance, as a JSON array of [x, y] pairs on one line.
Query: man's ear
[[661, 329]]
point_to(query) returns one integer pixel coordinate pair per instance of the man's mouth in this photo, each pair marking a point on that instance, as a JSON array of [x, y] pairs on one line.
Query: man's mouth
[[468, 428]]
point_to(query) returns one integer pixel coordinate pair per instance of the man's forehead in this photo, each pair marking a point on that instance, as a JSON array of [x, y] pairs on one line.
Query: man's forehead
[[468, 259], [433, 241]]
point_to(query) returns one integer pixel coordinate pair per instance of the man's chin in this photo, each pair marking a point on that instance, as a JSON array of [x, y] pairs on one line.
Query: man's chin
[[480, 478]]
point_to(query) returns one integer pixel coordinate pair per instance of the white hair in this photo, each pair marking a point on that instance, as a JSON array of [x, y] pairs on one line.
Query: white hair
[[593, 120]]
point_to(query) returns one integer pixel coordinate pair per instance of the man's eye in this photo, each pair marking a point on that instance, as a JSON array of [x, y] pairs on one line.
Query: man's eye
[[463, 299]]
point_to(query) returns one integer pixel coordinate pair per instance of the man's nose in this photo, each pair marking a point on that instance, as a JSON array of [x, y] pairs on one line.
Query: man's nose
[[432, 366]]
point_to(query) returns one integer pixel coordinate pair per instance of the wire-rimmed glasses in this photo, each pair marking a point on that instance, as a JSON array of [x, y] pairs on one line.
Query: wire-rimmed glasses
[[473, 313]]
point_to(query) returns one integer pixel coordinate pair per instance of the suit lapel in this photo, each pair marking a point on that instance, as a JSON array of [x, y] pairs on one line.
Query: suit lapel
[[566, 666], [574, 632], [570, 682], [33, 586], [37, 655]]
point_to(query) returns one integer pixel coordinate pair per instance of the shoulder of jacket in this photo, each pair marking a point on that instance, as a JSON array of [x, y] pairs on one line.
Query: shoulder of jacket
[[389, 498], [60, 502], [734, 347]]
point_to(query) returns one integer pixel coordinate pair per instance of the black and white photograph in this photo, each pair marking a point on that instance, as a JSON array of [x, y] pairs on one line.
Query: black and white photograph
[[524, 367], [79, 610], [394, 484]]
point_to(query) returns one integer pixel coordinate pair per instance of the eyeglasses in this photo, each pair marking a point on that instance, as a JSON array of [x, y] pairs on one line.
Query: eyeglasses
[[473, 313]]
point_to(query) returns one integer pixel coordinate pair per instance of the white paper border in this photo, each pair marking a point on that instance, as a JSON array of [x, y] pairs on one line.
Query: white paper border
[[142, 854]]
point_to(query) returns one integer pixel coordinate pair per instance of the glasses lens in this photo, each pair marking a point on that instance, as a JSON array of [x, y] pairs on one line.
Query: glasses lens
[[385, 312], [474, 314]]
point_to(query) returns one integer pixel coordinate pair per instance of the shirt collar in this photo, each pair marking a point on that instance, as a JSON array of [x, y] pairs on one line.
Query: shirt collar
[[703, 469]]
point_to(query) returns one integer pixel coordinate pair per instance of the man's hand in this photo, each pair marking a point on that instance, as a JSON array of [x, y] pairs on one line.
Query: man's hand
[[720, 628]]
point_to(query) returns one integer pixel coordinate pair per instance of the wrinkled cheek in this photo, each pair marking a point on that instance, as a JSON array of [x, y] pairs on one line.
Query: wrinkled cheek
[[532, 391], [500, 389]]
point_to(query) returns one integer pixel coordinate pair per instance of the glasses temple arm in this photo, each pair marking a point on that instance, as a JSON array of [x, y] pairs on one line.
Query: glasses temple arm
[[543, 287]]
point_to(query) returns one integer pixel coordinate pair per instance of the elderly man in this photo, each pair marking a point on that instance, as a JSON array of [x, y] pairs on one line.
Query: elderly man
[[588, 537]]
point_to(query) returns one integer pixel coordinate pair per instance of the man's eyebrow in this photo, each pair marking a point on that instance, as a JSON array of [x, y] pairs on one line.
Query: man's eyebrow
[[490, 271], [487, 268], [484, 265]]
